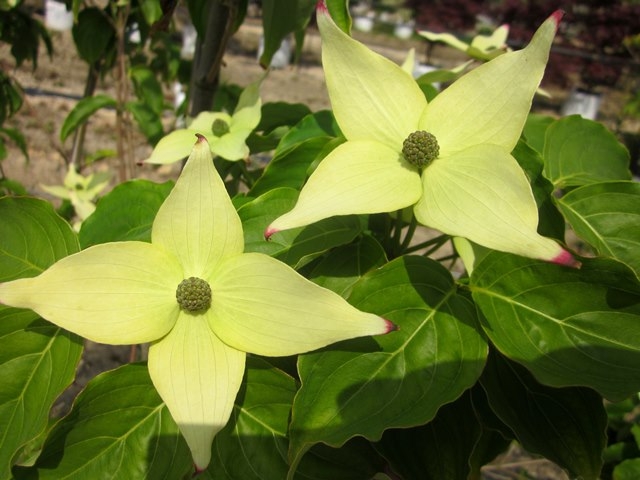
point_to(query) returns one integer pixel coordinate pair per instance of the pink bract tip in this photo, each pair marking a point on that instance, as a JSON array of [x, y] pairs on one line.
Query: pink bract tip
[[565, 258], [198, 471], [269, 231], [391, 327], [321, 7], [557, 17], [201, 138]]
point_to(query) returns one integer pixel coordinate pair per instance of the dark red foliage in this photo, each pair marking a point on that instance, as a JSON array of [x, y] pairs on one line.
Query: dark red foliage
[[589, 42]]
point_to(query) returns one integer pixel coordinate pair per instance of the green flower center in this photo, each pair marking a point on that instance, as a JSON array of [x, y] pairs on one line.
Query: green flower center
[[193, 295], [219, 127], [420, 148]]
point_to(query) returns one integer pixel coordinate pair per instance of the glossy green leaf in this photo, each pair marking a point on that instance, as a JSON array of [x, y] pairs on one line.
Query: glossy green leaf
[[398, 380], [566, 425], [254, 443], [82, 111], [306, 143], [118, 424], [342, 267], [550, 223], [569, 327], [125, 213], [318, 124], [607, 216], [578, 151], [94, 34], [258, 427], [37, 359], [340, 14], [37, 362], [291, 168], [297, 246], [535, 130], [277, 114], [438, 450], [32, 237]]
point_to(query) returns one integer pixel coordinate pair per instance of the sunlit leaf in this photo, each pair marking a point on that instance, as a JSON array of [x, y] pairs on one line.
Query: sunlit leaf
[[607, 216], [569, 327], [297, 246], [126, 213], [401, 379], [82, 111], [118, 424], [37, 359], [578, 151]]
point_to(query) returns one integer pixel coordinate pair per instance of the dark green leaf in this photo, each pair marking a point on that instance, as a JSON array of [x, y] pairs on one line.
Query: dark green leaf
[[565, 425], [118, 424], [578, 151], [399, 380], [607, 216], [535, 130], [148, 121], [37, 359], [23, 31], [278, 21], [340, 14], [10, 97], [32, 237], [277, 114], [126, 213], [257, 425], [342, 267], [17, 138], [569, 327], [304, 145], [82, 111], [551, 223], [355, 460], [291, 168], [297, 246], [439, 450], [94, 34], [148, 88], [319, 124]]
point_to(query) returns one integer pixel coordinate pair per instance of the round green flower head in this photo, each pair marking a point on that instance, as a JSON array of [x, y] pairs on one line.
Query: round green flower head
[[193, 295], [219, 127], [420, 148]]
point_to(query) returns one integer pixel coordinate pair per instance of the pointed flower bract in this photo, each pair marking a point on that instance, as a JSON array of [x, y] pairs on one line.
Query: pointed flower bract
[[474, 188], [197, 297]]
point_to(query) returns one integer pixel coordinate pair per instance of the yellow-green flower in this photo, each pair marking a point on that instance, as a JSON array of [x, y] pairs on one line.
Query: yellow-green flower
[[450, 158], [197, 297], [81, 191], [226, 134], [482, 47]]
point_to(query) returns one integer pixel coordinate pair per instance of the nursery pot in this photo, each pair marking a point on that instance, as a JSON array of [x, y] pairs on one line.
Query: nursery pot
[[583, 103], [56, 16]]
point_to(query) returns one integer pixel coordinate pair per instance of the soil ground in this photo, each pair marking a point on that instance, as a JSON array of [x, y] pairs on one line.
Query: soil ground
[[56, 85]]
